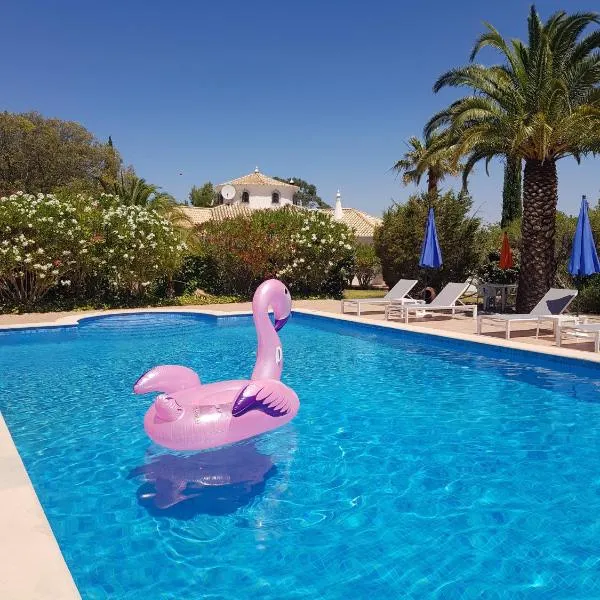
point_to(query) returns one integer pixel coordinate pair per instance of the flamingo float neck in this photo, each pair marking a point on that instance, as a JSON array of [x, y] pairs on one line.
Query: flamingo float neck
[[269, 355]]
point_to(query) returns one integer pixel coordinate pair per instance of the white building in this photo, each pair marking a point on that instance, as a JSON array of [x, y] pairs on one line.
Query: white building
[[256, 190]]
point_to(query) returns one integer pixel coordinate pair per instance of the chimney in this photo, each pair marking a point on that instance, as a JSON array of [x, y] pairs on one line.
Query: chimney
[[338, 214]]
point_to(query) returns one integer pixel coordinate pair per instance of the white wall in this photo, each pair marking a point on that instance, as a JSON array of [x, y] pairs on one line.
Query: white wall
[[260, 195]]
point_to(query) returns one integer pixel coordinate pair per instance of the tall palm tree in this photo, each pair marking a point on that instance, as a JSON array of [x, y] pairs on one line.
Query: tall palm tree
[[420, 159], [540, 105]]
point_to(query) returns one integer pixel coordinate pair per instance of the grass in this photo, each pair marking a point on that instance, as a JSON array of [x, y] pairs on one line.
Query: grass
[[353, 294]]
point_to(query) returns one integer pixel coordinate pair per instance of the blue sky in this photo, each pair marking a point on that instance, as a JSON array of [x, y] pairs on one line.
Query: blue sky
[[194, 91]]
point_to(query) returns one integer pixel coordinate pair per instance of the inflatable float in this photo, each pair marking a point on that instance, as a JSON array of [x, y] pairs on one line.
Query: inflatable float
[[187, 415]]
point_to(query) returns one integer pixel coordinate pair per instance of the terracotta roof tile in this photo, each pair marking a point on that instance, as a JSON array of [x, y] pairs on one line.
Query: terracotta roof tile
[[257, 178], [361, 223]]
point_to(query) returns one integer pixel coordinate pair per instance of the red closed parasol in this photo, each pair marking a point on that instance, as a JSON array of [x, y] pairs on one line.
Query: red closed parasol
[[506, 257]]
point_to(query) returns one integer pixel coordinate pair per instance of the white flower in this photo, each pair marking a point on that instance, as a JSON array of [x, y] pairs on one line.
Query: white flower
[[65, 282], [145, 283], [55, 272]]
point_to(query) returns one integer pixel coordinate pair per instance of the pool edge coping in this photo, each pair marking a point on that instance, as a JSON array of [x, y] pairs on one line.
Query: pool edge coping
[[75, 319], [30, 552], [41, 523]]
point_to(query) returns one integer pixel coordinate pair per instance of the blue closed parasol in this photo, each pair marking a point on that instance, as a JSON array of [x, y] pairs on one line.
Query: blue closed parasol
[[431, 255], [584, 257]]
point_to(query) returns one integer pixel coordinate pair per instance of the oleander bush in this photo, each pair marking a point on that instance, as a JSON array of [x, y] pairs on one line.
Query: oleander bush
[[308, 250], [78, 245]]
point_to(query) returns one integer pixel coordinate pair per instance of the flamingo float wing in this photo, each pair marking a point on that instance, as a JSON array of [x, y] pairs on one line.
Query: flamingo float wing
[[166, 378], [267, 395]]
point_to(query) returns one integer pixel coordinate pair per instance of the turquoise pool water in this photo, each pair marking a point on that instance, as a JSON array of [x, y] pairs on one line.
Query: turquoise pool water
[[415, 468]]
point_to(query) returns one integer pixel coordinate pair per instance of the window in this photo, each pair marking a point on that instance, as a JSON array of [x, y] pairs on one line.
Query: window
[[275, 198], [245, 197]]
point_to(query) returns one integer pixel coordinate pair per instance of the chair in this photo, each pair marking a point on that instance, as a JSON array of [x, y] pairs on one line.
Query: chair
[[398, 293], [446, 300], [549, 308], [579, 330]]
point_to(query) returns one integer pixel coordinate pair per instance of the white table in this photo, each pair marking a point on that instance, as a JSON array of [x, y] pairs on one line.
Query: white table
[[499, 289]]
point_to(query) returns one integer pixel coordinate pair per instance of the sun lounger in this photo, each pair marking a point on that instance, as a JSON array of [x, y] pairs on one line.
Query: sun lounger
[[579, 330], [548, 309], [398, 293], [445, 301]]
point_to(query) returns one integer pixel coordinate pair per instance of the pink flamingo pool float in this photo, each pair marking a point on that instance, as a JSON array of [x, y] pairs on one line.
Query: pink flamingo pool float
[[188, 415]]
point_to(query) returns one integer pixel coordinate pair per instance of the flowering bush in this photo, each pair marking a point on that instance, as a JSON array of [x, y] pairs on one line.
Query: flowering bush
[[321, 256], [55, 243], [308, 250], [139, 246]]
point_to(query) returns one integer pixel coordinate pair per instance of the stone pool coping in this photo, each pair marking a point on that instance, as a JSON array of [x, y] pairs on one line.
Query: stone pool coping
[[31, 563]]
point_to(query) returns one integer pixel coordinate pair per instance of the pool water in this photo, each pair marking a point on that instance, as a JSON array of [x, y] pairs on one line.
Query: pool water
[[415, 468]]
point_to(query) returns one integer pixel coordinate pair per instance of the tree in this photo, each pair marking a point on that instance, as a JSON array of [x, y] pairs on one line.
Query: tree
[[307, 193], [366, 264], [512, 191], [135, 191], [203, 196], [398, 241], [431, 157], [541, 105], [39, 154]]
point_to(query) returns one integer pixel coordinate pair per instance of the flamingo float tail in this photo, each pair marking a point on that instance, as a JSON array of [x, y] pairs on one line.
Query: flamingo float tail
[[168, 379]]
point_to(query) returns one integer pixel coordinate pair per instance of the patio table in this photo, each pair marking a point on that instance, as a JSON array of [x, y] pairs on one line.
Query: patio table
[[498, 289]]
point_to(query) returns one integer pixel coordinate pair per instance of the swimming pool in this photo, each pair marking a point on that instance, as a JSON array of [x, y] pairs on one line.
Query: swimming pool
[[416, 467]]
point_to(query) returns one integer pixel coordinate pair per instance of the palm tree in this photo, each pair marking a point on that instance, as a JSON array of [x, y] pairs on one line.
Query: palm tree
[[541, 105], [421, 159], [135, 191]]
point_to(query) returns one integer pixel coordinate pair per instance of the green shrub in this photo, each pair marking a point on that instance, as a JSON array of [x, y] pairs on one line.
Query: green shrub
[[588, 299], [308, 250], [398, 241], [367, 264]]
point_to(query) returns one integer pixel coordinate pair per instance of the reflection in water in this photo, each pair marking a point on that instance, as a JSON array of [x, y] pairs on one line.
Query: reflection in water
[[215, 483]]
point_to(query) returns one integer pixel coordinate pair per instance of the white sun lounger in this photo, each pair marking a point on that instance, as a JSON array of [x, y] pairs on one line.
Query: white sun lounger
[[548, 309], [579, 330], [445, 301], [398, 293]]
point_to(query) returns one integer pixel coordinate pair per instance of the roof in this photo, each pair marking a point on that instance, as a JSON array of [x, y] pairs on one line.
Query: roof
[[257, 178], [363, 224]]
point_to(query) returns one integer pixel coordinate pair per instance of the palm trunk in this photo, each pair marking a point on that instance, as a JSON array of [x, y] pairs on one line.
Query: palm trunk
[[540, 195], [432, 184], [511, 194]]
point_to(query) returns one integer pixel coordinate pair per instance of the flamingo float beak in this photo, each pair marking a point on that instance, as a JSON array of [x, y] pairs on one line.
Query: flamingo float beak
[[279, 323]]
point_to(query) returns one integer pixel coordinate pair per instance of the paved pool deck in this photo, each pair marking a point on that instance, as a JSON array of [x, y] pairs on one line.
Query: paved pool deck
[[31, 564]]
